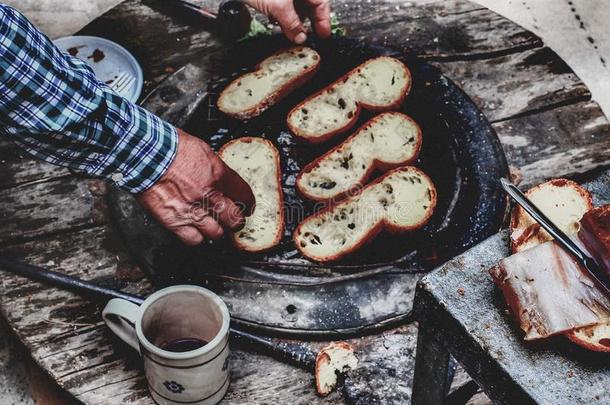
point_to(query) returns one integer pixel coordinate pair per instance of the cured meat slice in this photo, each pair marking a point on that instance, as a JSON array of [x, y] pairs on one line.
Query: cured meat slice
[[548, 292], [595, 234]]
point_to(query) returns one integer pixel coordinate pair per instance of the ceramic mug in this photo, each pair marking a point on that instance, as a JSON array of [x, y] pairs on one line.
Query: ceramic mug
[[199, 376]]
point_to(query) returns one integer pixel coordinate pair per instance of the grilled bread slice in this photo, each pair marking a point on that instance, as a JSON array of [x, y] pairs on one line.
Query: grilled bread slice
[[563, 201], [379, 84], [336, 358], [401, 200], [251, 94], [257, 161], [387, 141]]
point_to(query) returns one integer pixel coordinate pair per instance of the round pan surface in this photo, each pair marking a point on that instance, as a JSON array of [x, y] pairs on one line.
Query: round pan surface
[[280, 291]]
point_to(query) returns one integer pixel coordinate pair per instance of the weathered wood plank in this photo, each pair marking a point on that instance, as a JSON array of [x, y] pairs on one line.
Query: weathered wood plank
[[258, 379], [439, 29], [136, 25], [38, 312], [33, 210], [64, 332], [516, 84], [255, 379], [454, 29], [105, 371], [502, 80], [565, 141], [17, 167]]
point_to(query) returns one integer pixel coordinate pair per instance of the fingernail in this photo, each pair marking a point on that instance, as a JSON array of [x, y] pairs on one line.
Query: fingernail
[[300, 38]]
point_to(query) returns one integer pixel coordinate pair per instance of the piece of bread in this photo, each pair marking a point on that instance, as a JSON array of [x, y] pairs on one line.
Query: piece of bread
[[596, 337], [257, 161], [379, 84], [251, 94], [387, 141], [563, 201], [401, 200], [334, 359]]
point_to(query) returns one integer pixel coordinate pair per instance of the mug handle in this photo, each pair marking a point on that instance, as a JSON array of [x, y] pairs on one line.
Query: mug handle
[[120, 316]]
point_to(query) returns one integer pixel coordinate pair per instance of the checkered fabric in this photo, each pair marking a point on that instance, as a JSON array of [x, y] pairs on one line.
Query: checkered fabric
[[52, 105]]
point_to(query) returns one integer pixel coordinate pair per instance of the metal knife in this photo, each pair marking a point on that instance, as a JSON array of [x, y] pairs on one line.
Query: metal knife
[[596, 272]]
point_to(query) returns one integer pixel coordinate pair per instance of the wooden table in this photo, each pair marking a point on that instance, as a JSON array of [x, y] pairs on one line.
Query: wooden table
[[542, 113]]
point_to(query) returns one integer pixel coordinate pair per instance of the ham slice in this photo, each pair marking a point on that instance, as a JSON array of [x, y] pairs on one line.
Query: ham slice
[[549, 292], [595, 234]]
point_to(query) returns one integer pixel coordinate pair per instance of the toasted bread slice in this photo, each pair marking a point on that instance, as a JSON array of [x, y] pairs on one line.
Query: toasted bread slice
[[257, 161], [251, 94], [563, 201], [401, 200], [387, 141], [596, 337], [336, 358], [379, 84]]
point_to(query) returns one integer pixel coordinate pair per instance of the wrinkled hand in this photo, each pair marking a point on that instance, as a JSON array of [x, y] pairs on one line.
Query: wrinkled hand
[[290, 13], [199, 196]]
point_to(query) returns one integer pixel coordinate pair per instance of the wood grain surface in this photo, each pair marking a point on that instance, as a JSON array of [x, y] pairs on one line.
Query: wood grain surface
[[540, 109]]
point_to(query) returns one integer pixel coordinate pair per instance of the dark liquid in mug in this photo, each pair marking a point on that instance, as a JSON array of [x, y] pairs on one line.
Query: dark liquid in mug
[[184, 345]]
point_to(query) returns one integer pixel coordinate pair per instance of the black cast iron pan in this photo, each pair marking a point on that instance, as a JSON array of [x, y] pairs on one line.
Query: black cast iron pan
[[280, 292]]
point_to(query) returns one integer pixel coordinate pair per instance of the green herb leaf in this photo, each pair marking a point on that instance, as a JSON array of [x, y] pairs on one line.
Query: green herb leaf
[[335, 26], [256, 28]]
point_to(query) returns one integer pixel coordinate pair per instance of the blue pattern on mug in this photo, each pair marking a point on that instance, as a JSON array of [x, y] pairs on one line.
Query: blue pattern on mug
[[174, 387]]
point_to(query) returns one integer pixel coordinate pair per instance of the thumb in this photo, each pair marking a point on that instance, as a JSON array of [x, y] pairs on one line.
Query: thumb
[[236, 188], [291, 23]]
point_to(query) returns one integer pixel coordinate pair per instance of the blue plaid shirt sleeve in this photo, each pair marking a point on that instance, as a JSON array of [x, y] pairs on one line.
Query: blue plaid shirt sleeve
[[52, 105]]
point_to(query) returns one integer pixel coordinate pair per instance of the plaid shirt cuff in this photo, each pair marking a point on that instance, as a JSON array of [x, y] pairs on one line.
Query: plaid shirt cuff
[[145, 148], [53, 106]]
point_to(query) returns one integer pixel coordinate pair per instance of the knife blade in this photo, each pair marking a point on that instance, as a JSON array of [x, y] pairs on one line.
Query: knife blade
[[596, 272]]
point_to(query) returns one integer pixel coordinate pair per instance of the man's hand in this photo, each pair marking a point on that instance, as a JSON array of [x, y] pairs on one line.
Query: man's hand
[[199, 195], [290, 13]]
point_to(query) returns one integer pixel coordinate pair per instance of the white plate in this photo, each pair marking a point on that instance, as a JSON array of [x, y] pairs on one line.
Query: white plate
[[112, 60]]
